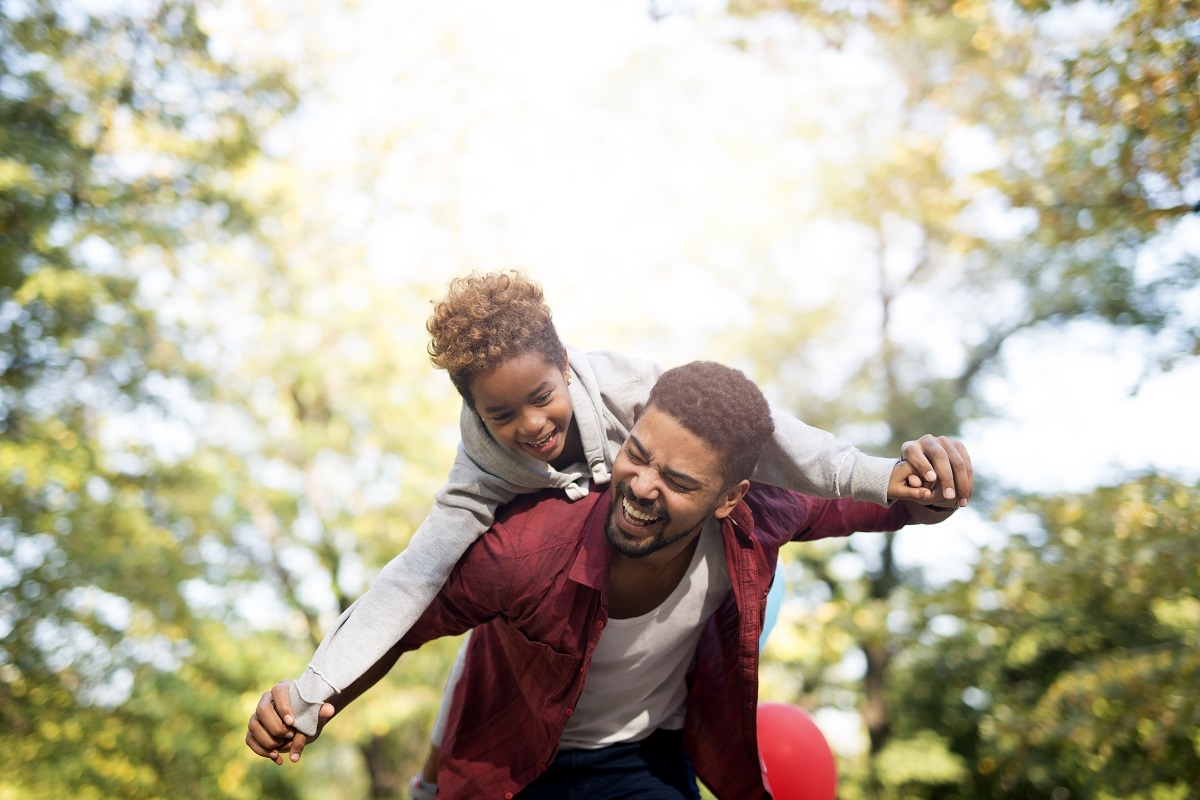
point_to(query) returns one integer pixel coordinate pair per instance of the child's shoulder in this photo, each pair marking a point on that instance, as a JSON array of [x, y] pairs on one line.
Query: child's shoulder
[[608, 367]]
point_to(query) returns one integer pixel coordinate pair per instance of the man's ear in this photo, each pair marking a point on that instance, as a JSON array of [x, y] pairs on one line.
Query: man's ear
[[731, 498]]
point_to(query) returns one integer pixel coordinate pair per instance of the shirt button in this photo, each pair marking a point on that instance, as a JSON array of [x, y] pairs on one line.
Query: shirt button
[[508, 796], [600, 623], [570, 711]]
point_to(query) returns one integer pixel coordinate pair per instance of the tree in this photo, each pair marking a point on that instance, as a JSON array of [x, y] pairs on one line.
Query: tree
[[1064, 666], [119, 132], [1024, 176]]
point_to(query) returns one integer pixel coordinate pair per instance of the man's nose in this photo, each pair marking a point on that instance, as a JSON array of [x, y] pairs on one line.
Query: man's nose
[[643, 485]]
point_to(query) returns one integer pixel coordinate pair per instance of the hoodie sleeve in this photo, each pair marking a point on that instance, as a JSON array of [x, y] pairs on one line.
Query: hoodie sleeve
[[805, 459], [405, 587], [799, 457]]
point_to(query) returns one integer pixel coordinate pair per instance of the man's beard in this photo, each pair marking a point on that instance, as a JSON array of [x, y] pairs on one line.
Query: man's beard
[[640, 548]]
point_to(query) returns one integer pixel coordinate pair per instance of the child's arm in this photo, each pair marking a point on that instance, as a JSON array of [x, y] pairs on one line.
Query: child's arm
[[614, 390], [465, 508], [809, 460], [805, 459]]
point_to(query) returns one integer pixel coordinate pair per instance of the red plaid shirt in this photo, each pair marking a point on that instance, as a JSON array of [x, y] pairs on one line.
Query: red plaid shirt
[[540, 577]]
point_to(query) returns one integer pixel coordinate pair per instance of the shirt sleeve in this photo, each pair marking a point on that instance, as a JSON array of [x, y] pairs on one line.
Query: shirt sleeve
[[805, 459], [405, 587], [824, 518]]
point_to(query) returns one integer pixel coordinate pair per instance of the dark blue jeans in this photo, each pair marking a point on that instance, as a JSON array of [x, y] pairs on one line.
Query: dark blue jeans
[[656, 768]]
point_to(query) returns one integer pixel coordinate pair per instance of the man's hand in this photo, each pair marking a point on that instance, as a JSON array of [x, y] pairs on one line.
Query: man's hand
[[270, 732], [936, 470]]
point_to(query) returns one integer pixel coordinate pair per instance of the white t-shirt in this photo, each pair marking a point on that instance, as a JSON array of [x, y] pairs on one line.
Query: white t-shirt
[[637, 680]]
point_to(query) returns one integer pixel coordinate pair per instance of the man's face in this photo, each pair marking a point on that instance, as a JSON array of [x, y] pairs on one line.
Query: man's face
[[667, 482]]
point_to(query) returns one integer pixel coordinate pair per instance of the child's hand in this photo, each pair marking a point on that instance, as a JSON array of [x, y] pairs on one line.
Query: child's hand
[[940, 466], [270, 731], [906, 484]]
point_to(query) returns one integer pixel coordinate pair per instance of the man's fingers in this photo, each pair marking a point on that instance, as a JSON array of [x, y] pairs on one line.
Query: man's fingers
[[913, 453], [964, 473], [945, 464], [934, 450], [297, 745]]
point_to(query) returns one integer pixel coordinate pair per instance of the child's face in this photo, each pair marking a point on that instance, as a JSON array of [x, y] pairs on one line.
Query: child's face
[[526, 405]]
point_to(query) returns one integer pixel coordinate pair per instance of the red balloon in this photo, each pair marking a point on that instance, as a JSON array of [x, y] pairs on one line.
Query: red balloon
[[797, 761]]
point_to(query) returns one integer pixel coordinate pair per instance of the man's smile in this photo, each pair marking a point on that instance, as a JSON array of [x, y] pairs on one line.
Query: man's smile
[[636, 517]]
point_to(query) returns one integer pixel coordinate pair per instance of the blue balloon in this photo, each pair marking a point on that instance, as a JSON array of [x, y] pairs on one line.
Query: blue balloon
[[774, 601]]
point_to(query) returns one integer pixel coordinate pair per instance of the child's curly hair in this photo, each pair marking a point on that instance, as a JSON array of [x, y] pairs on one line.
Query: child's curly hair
[[487, 319]]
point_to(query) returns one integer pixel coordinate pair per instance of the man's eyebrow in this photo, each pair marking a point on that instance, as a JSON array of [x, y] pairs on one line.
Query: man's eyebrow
[[674, 474], [533, 393]]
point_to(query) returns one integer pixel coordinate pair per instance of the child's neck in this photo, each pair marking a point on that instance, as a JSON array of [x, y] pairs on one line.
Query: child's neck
[[572, 451]]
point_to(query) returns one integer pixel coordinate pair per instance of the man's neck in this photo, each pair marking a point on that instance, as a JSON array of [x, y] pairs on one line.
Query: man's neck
[[637, 586]]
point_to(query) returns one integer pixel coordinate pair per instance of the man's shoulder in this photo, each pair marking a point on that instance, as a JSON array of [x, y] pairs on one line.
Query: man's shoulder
[[765, 499]]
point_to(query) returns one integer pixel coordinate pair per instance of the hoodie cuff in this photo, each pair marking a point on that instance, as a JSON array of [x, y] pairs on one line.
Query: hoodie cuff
[[306, 694], [869, 478]]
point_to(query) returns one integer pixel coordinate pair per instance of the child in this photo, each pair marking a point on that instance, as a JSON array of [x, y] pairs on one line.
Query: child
[[539, 415]]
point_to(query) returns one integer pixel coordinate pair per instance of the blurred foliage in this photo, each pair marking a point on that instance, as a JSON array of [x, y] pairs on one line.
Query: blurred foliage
[[1066, 666], [1027, 166], [118, 133], [218, 421]]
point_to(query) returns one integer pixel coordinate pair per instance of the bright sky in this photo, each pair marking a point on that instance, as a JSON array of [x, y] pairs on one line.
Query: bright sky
[[637, 169]]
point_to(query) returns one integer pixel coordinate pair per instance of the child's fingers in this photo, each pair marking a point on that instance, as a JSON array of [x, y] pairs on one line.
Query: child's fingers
[[282, 700], [267, 715], [906, 492], [259, 740]]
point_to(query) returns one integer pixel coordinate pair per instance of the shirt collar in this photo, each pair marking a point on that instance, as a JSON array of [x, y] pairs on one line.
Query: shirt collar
[[590, 567]]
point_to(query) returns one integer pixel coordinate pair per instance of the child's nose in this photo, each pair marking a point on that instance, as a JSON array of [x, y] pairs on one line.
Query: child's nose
[[532, 421]]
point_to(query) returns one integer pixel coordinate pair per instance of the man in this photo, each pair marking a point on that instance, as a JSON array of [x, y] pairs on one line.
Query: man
[[616, 636]]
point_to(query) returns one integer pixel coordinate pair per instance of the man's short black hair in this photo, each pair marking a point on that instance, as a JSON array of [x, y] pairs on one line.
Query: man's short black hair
[[721, 406]]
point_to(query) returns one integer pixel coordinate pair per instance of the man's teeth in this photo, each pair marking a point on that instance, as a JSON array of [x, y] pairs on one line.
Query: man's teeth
[[636, 516]]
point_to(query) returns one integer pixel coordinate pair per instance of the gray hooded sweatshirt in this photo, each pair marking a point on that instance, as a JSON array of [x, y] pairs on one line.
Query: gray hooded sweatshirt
[[609, 392]]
